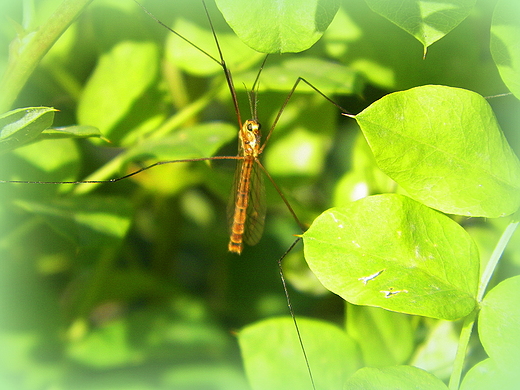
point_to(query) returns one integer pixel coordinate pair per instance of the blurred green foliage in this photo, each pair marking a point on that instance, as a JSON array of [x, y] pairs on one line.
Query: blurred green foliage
[[129, 285]]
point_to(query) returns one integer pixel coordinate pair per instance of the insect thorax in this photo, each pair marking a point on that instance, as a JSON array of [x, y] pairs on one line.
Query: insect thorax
[[250, 137]]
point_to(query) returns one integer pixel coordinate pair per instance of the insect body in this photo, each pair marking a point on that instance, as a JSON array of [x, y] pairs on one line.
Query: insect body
[[246, 214]]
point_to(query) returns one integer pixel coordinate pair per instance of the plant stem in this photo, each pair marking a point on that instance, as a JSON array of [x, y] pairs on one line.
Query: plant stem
[[465, 334], [23, 62], [495, 257]]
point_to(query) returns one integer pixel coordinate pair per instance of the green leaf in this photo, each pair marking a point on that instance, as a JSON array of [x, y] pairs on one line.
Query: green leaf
[[427, 20], [400, 377], [120, 78], [488, 374], [392, 252], [270, 26], [17, 127], [445, 148], [505, 30], [273, 357], [499, 323]]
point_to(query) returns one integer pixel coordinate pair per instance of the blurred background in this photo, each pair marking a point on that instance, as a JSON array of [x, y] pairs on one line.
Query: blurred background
[[129, 284]]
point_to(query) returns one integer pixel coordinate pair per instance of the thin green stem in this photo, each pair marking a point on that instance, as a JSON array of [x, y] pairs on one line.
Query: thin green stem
[[465, 334], [495, 257], [24, 61]]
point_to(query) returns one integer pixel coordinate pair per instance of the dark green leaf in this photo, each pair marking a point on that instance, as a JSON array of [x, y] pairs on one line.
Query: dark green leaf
[[17, 127], [426, 20]]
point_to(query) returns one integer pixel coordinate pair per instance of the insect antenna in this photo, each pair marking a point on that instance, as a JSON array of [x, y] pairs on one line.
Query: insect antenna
[[229, 78], [220, 61]]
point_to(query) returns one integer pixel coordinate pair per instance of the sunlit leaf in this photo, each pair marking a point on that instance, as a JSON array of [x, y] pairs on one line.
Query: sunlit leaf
[[330, 77], [445, 148], [279, 26], [392, 252]]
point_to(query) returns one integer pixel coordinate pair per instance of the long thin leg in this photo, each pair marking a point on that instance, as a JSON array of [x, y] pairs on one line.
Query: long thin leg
[[125, 176], [301, 225], [293, 89], [293, 316]]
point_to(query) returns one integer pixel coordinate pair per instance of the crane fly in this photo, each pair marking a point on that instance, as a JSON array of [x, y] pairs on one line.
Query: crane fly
[[246, 213], [247, 205]]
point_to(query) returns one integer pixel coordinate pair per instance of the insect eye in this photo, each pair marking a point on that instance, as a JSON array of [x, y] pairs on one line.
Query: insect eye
[[249, 127]]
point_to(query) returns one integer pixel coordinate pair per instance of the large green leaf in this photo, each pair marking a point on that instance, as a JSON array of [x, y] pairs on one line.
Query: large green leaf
[[284, 26], [274, 360], [445, 148], [426, 20], [505, 30], [392, 252]]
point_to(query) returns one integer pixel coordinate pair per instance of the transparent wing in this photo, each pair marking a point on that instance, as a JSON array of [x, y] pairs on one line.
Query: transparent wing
[[256, 208], [233, 198]]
